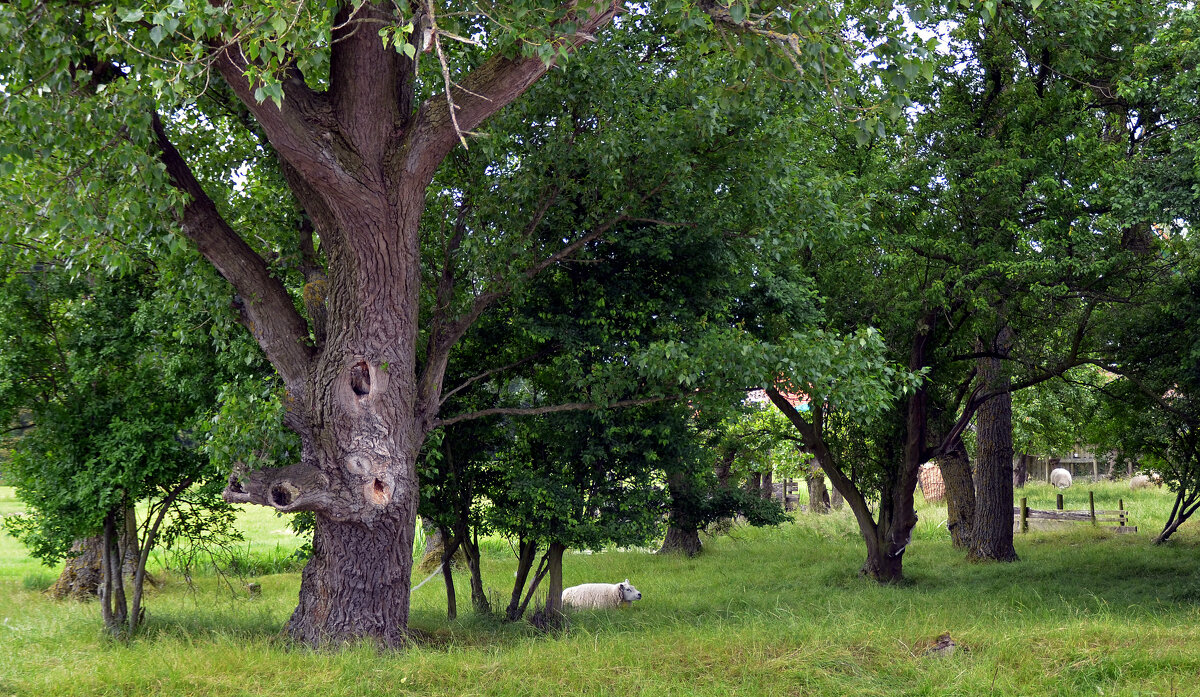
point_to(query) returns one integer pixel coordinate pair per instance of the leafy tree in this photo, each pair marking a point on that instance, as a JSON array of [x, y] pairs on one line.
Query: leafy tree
[[114, 392], [584, 481], [703, 485], [1153, 401], [350, 108]]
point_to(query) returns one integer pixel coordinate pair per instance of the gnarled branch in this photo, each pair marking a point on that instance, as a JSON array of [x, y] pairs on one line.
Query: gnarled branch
[[298, 487], [266, 306]]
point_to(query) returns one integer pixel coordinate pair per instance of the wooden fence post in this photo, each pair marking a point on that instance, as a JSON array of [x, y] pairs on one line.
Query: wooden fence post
[[1060, 502], [1121, 516], [1092, 506], [1024, 514]]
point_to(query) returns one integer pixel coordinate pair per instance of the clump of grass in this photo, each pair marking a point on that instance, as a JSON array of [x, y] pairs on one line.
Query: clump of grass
[[38, 581]]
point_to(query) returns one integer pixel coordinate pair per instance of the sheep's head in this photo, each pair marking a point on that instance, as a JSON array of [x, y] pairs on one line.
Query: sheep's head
[[628, 592]]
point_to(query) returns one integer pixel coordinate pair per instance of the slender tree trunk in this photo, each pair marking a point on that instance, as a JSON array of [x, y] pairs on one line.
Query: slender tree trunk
[[553, 612], [888, 538], [992, 533], [470, 549], [526, 556], [960, 494], [129, 542], [1186, 503], [447, 566], [768, 485], [115, 607]]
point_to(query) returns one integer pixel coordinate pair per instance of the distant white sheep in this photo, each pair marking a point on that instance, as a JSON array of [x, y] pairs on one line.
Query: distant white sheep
[[1060, 478], [1145, 481], [600, 595]]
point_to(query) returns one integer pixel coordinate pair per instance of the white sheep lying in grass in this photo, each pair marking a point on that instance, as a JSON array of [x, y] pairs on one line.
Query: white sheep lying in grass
[[1060, 478], [1145, 481], [600, 595]]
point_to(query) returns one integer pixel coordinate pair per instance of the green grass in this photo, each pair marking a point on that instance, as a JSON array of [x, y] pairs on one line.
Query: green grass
[[762, 612]]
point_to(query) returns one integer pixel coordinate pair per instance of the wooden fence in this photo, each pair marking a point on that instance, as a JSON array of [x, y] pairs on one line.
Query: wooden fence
[[1024, 516]]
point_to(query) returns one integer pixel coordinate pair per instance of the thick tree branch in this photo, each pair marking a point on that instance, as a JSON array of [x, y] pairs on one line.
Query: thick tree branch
[[267, 308], [298, 487], [370, 83], [301, 128]]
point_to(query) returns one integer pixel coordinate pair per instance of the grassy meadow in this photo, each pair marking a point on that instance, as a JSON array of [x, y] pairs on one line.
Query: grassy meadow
[[761, 612]]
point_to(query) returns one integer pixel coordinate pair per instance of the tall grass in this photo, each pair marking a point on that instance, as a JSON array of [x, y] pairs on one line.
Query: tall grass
[[761, 612]]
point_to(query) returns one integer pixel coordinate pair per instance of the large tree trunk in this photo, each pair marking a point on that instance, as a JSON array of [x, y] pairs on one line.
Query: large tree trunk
[[683, 535], [358, 157], [882, 567], [81, 577], [960, 493], [681, 541], [356, 583], [818, 495], [992, 533]]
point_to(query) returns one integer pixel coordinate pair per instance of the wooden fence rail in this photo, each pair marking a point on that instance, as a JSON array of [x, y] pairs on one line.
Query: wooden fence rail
[[1117, 520]]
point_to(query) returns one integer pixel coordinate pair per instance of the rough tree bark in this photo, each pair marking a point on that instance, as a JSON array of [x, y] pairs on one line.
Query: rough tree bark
[[683, 534], [960, 493], [681, 541], [81, 578], [358, 158], [992, 532], [551, 616], [1021, 471], [818, 495]]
